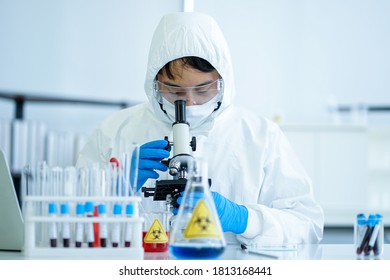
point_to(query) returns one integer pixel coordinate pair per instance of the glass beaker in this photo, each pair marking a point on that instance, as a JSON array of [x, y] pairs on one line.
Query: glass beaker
[[155, 234], [197, 231]]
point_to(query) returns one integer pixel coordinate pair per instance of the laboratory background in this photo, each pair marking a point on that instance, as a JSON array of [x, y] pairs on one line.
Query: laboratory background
[[318, 68]]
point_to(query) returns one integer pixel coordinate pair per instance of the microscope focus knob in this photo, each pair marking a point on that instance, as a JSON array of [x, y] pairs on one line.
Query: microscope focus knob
[[193, 143]]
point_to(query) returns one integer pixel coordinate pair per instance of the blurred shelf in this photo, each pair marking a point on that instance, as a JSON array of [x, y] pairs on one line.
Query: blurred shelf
[[21, 98]]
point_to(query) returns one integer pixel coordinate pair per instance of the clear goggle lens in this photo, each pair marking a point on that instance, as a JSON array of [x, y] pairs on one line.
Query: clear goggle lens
[[198, 95]]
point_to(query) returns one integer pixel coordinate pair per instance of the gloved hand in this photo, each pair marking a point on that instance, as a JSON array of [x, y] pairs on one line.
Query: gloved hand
[[192, 200], [150, 156], [233, 217]]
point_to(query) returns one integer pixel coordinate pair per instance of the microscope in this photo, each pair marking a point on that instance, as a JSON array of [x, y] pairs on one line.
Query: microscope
[[169, 190]]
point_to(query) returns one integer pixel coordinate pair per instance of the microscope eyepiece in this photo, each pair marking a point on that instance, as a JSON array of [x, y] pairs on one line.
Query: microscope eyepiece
[[180, 111]]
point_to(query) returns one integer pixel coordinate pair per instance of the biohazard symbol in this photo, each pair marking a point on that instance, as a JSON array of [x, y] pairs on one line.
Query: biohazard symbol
[[202, 223], [156, 233]]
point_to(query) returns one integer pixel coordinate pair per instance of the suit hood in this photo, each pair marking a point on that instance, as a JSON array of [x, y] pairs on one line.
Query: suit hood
[[185, 34]]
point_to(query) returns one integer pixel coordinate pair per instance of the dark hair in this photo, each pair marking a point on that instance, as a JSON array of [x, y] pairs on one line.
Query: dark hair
[[191, 61]]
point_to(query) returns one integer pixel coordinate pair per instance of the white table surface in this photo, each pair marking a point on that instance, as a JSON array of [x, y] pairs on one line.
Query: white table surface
[[233, 252]]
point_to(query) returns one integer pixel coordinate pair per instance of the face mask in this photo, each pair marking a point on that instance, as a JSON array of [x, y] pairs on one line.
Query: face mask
[[196, 114]]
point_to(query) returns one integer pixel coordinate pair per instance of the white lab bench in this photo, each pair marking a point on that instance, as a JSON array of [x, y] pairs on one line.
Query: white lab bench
[[234, 252]]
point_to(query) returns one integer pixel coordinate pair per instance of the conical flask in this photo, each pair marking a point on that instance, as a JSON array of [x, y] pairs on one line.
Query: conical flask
[[197, 231]]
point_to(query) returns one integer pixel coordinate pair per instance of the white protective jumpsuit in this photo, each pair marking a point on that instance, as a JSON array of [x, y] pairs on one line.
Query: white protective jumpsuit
[[250, 160]]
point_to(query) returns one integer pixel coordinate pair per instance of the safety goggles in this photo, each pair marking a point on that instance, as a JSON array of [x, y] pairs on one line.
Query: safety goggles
[[198, 95]]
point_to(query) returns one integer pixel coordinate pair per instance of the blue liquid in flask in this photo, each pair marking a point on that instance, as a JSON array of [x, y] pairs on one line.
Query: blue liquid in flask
[[194, 252]]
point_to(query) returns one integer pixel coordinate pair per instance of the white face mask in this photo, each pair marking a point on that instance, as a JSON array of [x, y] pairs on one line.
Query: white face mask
[[196, 114]]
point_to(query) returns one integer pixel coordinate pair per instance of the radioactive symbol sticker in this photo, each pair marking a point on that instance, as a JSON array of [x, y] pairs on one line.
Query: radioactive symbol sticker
[[202, 223], [156, 233]]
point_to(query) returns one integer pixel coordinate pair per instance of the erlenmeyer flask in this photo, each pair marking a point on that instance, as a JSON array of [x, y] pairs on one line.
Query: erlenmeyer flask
[[197, 232]]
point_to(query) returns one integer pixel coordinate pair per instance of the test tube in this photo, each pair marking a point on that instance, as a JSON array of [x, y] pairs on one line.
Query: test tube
[[359, 230], [79, 225], [42, 177], [127, 190], [68, 190], [53, 235], [65, 225], [367, 234], [70, 181], [134, 168], [84, 190], [83, 184], [89, 208], [129, 228], [375, 242], [114, 177], [53, 191], [101, 188], [103, 231], [95, 190], [115, 234]]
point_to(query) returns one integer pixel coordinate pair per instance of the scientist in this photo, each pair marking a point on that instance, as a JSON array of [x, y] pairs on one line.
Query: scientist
[[260, 189]]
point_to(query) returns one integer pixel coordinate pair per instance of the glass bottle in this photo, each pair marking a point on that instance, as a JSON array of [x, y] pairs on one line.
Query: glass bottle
[[197, 232]]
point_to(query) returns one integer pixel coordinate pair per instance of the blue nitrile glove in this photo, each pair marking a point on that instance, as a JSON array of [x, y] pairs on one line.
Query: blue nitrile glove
[[192, 200], [150, 156], [233, 217]]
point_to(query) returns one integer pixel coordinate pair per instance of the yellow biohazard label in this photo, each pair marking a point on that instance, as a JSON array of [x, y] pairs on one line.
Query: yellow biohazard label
[[202, 223], [156, 233]]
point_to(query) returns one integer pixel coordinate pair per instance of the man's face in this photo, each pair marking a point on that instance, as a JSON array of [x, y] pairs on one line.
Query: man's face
[[192, 85]]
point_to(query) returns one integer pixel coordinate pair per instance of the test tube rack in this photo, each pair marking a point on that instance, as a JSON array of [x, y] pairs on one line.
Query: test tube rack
[[36, 222]]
